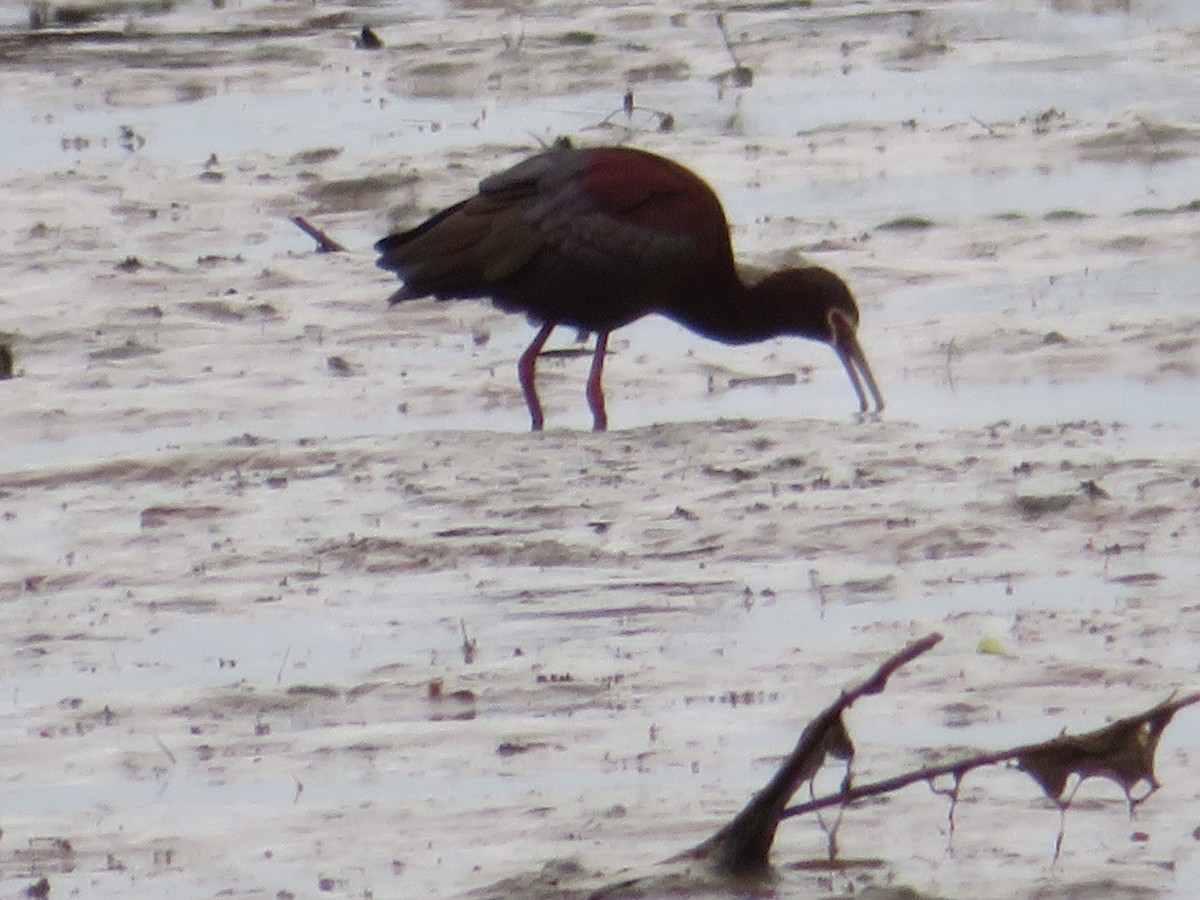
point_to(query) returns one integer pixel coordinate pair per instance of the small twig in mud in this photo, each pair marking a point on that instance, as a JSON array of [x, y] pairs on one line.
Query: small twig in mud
[[165, 749], [739, 75], [666, 120], [325, 244], [469, 644], [951, 793], [951, 355], [831, 828], [985, 126], [513, 46], [814, 581]]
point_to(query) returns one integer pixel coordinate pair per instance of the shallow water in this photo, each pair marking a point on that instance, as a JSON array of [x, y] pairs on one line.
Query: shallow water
[[231, 571]]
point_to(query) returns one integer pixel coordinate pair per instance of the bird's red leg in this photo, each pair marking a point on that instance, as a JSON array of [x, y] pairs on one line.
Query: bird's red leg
[[595, 391], [525, 372]]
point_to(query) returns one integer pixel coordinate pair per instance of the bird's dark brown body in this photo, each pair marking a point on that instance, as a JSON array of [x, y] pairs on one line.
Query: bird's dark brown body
[[597, 238]]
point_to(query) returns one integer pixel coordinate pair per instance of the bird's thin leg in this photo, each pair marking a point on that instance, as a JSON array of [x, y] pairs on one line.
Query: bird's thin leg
[[595, 390], [525, 372]]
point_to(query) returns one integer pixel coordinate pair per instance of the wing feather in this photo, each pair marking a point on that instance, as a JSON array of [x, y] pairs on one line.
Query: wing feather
[[541, 237]]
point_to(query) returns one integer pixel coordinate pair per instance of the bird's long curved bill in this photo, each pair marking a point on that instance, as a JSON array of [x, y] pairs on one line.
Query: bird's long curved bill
[[850, 352]]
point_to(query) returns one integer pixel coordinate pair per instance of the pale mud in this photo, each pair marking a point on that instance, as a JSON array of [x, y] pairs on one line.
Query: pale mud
[[250, 519]]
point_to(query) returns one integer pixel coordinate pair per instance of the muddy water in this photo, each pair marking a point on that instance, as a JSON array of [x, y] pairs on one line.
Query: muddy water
[[293, 605]]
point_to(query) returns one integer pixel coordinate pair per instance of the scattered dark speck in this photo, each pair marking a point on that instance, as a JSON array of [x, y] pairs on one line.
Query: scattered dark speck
[[338, 365]]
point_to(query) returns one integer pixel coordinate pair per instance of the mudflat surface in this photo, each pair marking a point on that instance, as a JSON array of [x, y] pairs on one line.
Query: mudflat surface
[[293, 605]]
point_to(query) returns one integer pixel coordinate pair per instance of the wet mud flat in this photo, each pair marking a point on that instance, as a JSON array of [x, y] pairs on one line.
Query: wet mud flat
[[292, 604]]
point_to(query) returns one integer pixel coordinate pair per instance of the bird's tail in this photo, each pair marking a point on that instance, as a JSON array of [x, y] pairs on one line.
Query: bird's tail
[[391, 250], [401, 295]]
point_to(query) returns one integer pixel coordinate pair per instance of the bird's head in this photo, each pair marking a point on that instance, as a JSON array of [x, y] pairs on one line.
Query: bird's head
[[814, 303]]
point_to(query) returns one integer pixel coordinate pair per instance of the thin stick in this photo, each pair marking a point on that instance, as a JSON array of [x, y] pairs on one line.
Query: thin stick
[[325, 244], [737, 63], [960, 767], [743, 846]]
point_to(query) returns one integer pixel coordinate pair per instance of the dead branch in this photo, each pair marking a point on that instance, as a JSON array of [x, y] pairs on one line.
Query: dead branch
[[325, 244], [742, 848], [1122, 751]]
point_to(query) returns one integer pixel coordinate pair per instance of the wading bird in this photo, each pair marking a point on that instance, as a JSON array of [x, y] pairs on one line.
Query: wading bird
[[596, 238]]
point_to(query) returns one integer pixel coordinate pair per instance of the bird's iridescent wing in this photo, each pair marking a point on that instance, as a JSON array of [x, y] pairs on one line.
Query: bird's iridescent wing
[[582, 237], [463, 250], [589, 210]]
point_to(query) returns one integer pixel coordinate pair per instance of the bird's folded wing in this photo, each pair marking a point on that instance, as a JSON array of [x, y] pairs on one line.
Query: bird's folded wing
[[599, 233], [547, 209]]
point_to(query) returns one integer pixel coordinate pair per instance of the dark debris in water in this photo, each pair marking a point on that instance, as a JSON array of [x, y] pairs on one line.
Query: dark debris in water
[[1036, 506], [223, 311], [247, 440], [340, 366], [368, 39], [907, 223], [43, 14], [130, 349]]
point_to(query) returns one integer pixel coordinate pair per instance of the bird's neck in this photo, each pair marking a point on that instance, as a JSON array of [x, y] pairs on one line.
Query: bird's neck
[[734, 313]]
